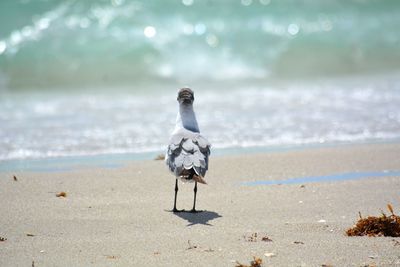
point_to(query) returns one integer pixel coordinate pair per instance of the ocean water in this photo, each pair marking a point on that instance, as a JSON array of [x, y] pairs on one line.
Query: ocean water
[[100, 77]]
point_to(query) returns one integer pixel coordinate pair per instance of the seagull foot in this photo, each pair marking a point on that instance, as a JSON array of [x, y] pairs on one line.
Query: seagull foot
[[176, 210]]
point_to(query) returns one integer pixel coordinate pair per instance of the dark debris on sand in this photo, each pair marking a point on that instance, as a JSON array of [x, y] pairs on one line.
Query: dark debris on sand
[[396, 243], [257, 262], [255, 237], [377, 226], [61, 194], [160, 157]]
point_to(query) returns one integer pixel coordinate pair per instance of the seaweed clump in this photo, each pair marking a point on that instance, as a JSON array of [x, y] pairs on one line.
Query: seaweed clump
[[377, 226], [257, 262]]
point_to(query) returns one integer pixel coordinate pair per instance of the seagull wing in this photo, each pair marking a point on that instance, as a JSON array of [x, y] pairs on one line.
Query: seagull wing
[[187, 150]]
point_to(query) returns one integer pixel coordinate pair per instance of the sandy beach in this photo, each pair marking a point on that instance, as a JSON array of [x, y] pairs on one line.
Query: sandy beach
[[120, 217], [300, 101]]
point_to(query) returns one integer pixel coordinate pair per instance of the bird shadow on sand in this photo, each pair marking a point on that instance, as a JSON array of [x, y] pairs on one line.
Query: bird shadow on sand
[[202, 217]]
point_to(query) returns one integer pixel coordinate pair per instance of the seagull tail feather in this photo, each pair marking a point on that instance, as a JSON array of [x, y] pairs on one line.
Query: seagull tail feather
[[199, 179]]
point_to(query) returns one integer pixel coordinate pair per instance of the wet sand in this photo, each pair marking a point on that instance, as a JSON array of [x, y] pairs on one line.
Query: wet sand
[[120, 217]]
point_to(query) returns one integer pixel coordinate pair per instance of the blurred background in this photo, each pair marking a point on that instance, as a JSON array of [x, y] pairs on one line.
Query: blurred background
[[100, 77]]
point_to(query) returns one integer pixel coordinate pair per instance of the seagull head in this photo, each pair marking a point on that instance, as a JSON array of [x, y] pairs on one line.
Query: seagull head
[[185, 96]]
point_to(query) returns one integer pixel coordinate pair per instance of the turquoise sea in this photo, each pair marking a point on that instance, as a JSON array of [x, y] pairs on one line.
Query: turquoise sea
[[81, 78]]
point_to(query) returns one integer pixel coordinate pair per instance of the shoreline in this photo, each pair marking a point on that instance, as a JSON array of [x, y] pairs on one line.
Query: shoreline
[[120, 217], [119, 160]]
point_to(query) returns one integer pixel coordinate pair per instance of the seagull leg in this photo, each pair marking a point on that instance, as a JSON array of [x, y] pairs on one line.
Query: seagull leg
[[176, 193], [194, 201]]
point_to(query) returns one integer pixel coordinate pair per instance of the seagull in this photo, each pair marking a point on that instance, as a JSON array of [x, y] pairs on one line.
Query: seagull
[[188, 150]]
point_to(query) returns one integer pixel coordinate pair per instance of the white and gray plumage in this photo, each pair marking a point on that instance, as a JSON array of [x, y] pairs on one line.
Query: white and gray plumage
[[188, 150]]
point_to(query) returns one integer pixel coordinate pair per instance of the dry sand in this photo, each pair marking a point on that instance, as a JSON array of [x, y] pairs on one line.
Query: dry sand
[[119, 217]]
